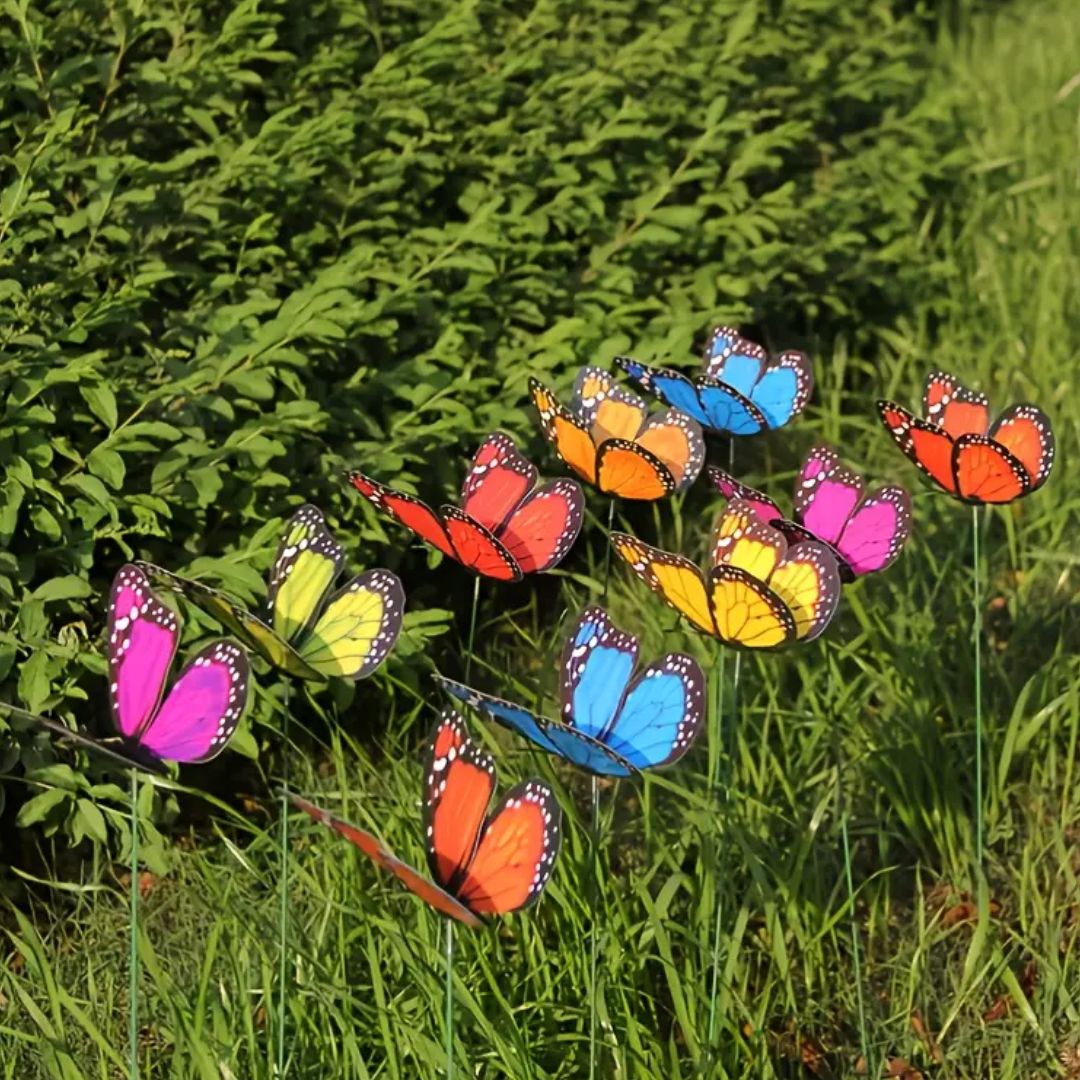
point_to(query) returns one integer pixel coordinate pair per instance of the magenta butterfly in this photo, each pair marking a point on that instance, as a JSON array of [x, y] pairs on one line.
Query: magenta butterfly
[[195, 720], [866, 531]]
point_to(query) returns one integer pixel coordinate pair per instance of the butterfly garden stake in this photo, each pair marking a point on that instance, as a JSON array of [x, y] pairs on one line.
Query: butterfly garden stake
[[866, 533], [309, 632], [612, 723], [481, 864], [983, 464]]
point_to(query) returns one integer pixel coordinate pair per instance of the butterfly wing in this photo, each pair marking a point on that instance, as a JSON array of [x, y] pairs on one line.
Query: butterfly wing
[[477, 549], [728, 410], [784, 388], [405, 509], [732, 359], [675, 439], [514, 717], [381, 855], [826, 494], [742, 539], [927, 445], [732, 489], [250, 629], [674, 578], [661, 713], [540, 532], [516, 853], [876, 533], [598, 660], [807, 580], [357, 628], [627, 471], [1025, 432], [201, 711], [498, 479], [668, 385], [569, 435], [953, 407], [307, 562], [610, 411], [459, 779], [746, 612], [986, 472], [143, 635]]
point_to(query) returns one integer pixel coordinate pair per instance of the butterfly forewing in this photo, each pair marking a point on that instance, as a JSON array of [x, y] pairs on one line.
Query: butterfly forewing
[[986, 472], [308, 561], [476, 548], [143, 635], [742, 539], [604, 406], [826, 494], [382, 856], [625, 470], [925, 444], [953, 407], [497, 481], [675, 439], [731, 489], [569, 436], [405, 509], [516, 853], [598, 661], [876, 533], [746, 611], [808, 582], [458, 783]]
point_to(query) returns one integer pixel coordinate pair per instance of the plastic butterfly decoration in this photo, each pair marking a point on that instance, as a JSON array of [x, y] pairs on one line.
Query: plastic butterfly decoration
[[865, 532], [191, 723], [308, 630], [610, 725], [955, 444], [740, 391], [760, 591], [505, 527], [608, 438], [481, 864]]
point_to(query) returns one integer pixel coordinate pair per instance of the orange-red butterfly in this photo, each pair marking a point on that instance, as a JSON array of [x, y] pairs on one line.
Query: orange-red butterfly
[[505, 527], [957, 447], [608, 438], [482, 864]]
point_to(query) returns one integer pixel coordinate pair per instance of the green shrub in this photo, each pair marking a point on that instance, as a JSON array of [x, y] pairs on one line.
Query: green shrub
[[245, 244]]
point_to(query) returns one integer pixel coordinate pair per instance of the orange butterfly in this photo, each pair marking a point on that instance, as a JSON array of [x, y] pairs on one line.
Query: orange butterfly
[[759, 593], [955, 445], [482, 864], [608, 438]]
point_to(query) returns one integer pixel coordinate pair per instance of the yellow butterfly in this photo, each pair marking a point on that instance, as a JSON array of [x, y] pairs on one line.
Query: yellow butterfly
[[759, 593], [307, 633]]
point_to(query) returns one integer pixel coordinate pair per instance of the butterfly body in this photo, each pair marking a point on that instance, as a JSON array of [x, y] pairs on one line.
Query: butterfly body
[[611, 723], [740, 390], [309, 631], [956, 446], [481, 863], [865, 531], [505, 527], [607, 437], [760, 592]]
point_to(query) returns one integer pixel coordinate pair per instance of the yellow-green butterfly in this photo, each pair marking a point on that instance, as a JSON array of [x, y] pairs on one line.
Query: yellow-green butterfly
[[305, 633]]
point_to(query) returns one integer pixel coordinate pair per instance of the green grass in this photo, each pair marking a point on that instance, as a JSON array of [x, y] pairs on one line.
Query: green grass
[[883, 708]]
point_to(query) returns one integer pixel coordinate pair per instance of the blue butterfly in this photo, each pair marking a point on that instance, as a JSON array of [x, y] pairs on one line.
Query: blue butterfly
[[740, 392], [610, 725]]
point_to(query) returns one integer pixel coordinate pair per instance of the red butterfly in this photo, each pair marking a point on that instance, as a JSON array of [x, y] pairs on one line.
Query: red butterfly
[[482, 865], [955, 445], [505, 527]]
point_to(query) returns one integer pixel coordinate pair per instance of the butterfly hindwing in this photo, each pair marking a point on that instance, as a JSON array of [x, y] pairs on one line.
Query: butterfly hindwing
[[476, 548], [746, 611], [1025, 432], [986, 472], [876, 533], [202, 708], [357, 628], [661, 713], [598, 661], [808, 582], [732, 489], [543, 528], [925, 444]]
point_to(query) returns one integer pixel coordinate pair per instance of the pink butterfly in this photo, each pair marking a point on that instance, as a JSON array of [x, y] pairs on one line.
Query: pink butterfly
[[201, 710], [866, 532]]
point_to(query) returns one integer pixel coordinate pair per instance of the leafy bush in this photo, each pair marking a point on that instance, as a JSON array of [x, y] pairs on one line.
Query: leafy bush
[[244, 244]]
